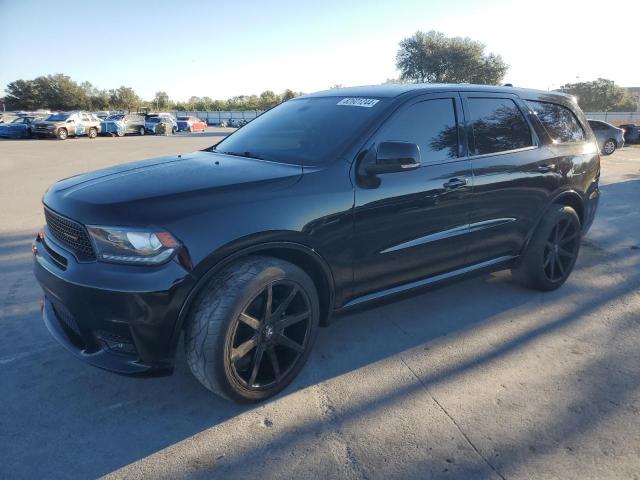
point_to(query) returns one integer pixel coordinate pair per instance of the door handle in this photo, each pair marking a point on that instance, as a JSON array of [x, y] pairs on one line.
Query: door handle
[[455, 183], [544, 168]]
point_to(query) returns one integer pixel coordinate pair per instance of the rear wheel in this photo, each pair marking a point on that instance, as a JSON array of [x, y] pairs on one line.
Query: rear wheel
[[252, 329], [141, 131], [62, 134], [120, 133], [609, 147], [552, 252], [93, 133]]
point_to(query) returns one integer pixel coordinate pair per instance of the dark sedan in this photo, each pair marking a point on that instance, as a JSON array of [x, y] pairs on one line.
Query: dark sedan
[[609, 137], [631, 133]]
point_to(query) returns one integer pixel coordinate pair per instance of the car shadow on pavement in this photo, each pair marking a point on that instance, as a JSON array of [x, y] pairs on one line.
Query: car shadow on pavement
[[60, 418]]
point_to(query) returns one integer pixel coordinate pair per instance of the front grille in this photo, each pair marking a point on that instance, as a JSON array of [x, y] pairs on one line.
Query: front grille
[[70, 233]]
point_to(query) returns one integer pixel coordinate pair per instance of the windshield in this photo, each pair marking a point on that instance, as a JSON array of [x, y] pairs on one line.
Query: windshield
[[20, 120], [115, 117], [306, 131], [58, 117], [153, 120]]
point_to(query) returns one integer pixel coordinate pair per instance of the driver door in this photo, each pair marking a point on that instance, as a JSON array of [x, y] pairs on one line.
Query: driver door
[[413, 224]]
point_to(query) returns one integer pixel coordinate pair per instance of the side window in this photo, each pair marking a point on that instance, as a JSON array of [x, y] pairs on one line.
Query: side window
[[559, 122], [498, 125], [431, 124], [85, 117]]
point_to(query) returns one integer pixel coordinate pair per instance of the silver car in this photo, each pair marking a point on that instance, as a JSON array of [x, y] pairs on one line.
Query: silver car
[[609, 137]]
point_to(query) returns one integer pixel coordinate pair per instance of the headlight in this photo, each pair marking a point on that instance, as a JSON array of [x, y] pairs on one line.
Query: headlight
[[141, 247]]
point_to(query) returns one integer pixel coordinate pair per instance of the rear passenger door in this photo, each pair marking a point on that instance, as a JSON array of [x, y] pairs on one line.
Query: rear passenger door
[[512, 177]]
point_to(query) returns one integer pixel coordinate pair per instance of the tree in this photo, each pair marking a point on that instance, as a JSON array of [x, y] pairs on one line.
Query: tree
[[161, 100], [600, 95], [22, 95], [124, 98], [433, 57], [288, 95]]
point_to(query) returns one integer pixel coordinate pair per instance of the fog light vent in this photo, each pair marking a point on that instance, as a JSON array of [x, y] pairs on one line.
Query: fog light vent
[[115, 342]]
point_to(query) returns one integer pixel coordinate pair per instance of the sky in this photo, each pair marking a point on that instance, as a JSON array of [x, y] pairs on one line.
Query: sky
[[225, 48]]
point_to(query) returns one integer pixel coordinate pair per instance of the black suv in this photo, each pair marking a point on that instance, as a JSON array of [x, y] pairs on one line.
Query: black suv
[[326, 202]]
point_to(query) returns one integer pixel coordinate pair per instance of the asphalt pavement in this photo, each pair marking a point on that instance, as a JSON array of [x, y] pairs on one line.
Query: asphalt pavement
[[480, 379]]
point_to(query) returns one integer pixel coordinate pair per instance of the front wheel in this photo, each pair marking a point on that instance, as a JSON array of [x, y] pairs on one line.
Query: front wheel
[[93, 133], [141, 132], [252, 328], [609, 147], [62, 134], [552, 251]]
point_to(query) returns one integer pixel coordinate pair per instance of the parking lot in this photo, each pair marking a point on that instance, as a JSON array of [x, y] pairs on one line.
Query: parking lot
[[480, 379]]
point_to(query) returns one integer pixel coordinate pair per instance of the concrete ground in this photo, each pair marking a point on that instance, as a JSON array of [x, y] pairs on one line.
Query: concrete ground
[[481, 379]]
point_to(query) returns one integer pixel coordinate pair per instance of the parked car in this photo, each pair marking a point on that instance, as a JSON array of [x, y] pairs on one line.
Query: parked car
[[7, 117], [326, 202], [609, 137], [191, 124], [20, 127], [64, 125], [151, 122], [631, 133], [121, 124]]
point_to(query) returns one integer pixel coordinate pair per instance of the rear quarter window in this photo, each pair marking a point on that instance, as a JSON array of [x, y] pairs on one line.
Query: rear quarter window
[[498, 125], [560, 122]]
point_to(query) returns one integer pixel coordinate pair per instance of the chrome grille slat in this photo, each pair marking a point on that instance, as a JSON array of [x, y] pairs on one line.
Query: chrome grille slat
[[71, 234]]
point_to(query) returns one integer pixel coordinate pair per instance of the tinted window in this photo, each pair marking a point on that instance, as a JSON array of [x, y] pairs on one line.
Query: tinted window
[[430, 124], [498, 125], [305, 131], [559, 122]]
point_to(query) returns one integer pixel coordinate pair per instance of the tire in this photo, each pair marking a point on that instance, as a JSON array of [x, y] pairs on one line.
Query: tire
[[62, 134], [141, 132], [226, 328], [609, 147], [120, 133], [92, 133], [552, 251]]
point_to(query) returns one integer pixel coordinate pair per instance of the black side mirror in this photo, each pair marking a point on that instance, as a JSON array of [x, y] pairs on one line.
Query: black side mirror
[[394, 157]]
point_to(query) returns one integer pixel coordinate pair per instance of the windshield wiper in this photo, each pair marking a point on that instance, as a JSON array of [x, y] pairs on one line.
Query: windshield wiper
[[243, 154]]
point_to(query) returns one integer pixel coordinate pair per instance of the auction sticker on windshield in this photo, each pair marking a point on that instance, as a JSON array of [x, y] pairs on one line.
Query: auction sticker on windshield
[[358, 102]]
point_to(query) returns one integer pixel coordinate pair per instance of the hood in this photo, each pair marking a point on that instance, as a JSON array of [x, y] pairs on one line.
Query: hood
[[157, 190]]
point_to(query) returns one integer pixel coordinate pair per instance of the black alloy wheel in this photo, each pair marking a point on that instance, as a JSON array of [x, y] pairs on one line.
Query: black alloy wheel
[[552, 252], [270, 336], [252, 328], [561, 250]]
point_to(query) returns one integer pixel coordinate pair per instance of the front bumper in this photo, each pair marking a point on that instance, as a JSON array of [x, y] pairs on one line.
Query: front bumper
[[115, 317]]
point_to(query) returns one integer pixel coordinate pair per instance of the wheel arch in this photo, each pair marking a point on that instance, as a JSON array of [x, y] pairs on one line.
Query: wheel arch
[[569, 198], [301, 255]]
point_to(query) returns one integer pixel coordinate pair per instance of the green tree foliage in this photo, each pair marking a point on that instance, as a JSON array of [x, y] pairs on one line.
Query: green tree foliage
[[601, 95], [59, 92], [433, 57], [123, 98]]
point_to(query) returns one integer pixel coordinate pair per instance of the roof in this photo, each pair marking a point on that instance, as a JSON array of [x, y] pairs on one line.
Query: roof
[[395, 90]]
